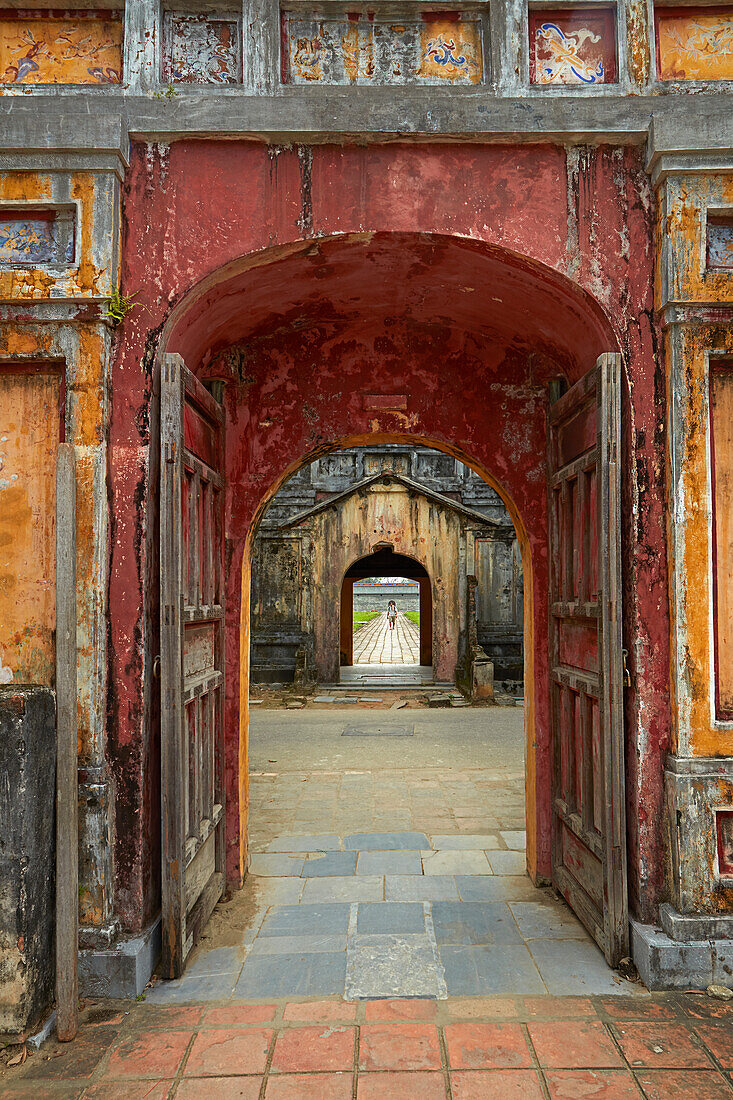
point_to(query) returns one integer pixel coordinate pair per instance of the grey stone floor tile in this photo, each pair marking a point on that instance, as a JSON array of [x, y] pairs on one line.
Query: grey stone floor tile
[[329, 865], [275, 891], [205, 987], [343, 888], [543, 920], [297, 945], [515, 838], [295, 975], [321, 842], [448, 841], [393, 966], [307, 920], [464, 923], [385, 842], [395, 918], [389, 863], [276, 866], [572, 968], [495, 887], [456, 862], [508, 863], [485, 970], [217, 960], [420, 888]]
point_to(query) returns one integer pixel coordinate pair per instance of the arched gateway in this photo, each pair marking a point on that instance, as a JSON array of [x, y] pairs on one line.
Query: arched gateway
[[393, 337]]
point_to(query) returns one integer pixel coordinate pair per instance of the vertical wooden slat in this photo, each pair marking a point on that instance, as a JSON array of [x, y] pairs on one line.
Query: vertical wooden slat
[[584, 538], [194, 567], [67, 788], [587, 785], [566, 540], [173, 755]]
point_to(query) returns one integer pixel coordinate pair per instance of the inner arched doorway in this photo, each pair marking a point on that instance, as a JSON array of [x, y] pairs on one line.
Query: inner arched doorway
[[385, 563]]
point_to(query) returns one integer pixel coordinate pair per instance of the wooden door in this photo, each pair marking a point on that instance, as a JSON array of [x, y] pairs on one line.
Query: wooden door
[[588, 809], [192, 658]]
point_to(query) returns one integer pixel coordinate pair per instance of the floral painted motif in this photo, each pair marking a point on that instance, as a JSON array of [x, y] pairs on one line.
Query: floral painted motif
[[573, 46], [32, 240], [720, 243], [60, 51], [200, 50], [694, 44], [353, 50]]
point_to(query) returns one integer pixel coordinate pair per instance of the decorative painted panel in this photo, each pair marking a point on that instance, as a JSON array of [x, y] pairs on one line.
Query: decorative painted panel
[[201, 50], [434, 48], [35, 238], [77, 48], [720, 243], [572, 46], [724, 837], [694, 43], [387, 463]]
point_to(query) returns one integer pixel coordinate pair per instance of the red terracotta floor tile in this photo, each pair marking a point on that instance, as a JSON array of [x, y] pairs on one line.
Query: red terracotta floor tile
[[398, 1046], [482, 1008], [718, 1038], [486, 1046], [166, 1016], [308, 1049], [129, 1090], [553, 1008], [231, 1015], [309, 1086], [573, 1045], [156, 1054], [405, 1086], [499, 1084], [218, 1053], [219, 1088], [678, 1084], [77, 1059], [706, 1008], [661, 1046], [600, 1084], [401, 1010], [21, 1091], [638, 1008], [320, 1011]]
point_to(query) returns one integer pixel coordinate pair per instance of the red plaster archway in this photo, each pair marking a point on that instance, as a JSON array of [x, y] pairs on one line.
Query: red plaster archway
[[388, 338]]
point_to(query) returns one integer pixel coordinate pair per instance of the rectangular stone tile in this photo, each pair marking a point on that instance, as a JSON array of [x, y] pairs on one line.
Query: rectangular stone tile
[[471, 922], [385, 842], [573, 968], [396, 918], [329, 865], [296, 945], [389, 863], [456, 862], [497, 968], [218, 960], [475, 842], [274, 891], [344, 889], [320, 842], [276, 866], [420, 888], [316, 974], [306, 920], [508, 863], [547, 921], [185, 990], [393, 966], [515, 839], [495, 887]]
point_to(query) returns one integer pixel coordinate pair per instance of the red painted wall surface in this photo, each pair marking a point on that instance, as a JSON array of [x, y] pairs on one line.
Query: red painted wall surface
[[470, 276]]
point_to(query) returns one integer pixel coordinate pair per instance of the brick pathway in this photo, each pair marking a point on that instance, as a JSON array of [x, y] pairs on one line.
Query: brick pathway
[[673, 1047], [376, 644]]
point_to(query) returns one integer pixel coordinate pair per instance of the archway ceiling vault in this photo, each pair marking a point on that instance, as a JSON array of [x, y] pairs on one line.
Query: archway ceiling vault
[[394, 279]]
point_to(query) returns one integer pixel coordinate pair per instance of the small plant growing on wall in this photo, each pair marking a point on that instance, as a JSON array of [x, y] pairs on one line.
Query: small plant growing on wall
[[119, 305]]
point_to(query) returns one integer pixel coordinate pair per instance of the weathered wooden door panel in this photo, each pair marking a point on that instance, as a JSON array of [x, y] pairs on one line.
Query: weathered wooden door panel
[[589, 842], [192, 658]]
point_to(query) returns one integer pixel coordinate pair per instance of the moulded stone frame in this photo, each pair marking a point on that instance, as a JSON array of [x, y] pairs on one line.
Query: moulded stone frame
[[118, 7], [67, 211], [726, 212], [681, 86], [621, 86]]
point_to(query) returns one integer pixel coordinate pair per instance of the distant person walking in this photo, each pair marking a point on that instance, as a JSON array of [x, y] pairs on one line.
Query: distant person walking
[[391, 614]]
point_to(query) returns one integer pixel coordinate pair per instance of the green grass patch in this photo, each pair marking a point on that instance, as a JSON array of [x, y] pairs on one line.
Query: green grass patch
[[413, 616], [362, 617]]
